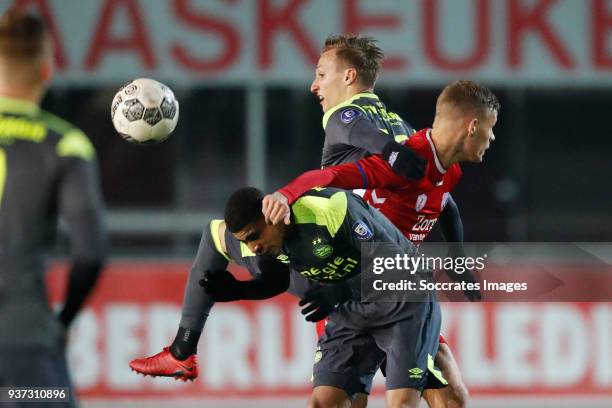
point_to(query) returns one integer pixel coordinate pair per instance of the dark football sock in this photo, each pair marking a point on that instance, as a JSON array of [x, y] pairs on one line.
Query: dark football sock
[[185, 343]]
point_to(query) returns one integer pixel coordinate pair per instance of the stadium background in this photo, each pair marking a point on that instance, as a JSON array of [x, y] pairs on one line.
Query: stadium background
[[241, 70]]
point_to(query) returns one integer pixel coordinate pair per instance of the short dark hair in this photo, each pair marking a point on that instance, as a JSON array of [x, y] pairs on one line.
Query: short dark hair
[[470, 95], [360, 53], [242, 208], [22, 35]]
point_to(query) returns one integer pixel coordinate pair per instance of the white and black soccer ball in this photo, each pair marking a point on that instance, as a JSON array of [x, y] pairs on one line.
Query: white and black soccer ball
[[144, 111]]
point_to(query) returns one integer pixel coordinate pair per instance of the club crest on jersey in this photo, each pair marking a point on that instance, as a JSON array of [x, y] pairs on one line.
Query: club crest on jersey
[[444, 200], [362, 231], [420, 202], [348, 115], [321, 250]]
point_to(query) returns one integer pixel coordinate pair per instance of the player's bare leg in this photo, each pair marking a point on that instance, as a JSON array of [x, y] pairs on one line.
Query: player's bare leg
[[456, 394], [325, 396], [403, 398]]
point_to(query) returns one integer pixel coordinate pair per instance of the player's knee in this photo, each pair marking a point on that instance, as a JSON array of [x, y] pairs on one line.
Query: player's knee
[[327, 403], [328, 397], [403, 398]]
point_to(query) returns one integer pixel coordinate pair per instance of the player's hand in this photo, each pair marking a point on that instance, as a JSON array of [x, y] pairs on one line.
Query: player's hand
[[466, 276], [221, 286], [472, 295], [275, 208], [323, 300], [404, 161]]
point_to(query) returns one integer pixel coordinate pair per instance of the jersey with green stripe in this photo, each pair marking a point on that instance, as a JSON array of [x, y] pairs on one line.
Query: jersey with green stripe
[[47, 169], [329, 226], [359, 127]]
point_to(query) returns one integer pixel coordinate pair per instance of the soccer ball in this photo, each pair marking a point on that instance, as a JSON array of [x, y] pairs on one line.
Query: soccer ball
[[144, 111]]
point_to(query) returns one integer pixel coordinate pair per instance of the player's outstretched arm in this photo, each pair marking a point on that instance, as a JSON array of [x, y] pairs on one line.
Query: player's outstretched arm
[[272, 280], [275, 206], [370, 172]]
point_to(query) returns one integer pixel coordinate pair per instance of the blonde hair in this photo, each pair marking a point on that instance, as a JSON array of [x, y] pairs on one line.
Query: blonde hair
[[358, 52], [470, 95]]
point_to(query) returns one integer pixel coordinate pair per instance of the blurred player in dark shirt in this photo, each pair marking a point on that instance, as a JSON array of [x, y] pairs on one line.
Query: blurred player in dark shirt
[[47, 170]]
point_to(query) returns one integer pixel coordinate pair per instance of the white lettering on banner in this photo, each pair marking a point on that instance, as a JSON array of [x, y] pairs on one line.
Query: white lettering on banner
[[271, 347], [602, 335], [543, 345], [227, 342], [472, 341], [302, 350], [274, 368], [565, 350], [268, 346], [83, 354], [123, 344], [516, 351], [558, 42]]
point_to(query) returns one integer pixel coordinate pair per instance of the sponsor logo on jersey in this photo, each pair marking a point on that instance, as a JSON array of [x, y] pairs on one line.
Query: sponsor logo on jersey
[[333, 270], [362, 231], [283, 258], [348, 115], [420, 202], [321, 249]]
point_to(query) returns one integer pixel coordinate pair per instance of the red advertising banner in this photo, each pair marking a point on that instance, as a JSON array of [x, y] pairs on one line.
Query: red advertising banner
[[560, 42], [265, 349]]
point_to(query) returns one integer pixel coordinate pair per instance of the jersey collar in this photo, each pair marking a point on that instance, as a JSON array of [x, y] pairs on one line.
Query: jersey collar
[[439, 165], [18, 106], [348, 102]]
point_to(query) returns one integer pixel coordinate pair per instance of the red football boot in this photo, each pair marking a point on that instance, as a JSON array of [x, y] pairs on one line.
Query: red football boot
[[164, 364]]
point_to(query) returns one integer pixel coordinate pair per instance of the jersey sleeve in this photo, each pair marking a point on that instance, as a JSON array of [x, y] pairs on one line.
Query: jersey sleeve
[[347, 176], [378, 174], [370, 172], [350, 126], [80, 207], [80, 199]]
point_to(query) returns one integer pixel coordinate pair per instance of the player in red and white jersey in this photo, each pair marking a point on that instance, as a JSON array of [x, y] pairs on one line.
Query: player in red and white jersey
[[412, 206]]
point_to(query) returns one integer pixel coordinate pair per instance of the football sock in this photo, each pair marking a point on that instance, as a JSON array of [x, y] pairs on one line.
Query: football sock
[[185, 343]]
